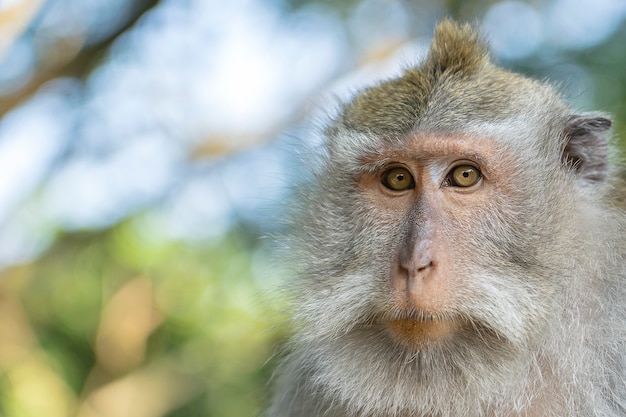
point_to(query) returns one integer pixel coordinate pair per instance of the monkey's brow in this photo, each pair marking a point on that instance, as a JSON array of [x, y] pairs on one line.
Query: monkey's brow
[[377, 162], [371, 163]]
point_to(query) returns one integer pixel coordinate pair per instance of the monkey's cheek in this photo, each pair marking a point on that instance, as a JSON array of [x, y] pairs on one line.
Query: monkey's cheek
[[415, 334]]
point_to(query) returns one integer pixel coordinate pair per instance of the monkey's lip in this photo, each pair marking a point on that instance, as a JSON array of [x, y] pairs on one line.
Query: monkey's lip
[[414, 332]]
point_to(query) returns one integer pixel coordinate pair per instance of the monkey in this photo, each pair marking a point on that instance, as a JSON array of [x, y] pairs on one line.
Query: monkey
[[459, 251]]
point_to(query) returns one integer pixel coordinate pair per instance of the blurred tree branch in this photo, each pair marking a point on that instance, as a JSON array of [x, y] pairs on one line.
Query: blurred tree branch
[[14, 19], [81, 64]]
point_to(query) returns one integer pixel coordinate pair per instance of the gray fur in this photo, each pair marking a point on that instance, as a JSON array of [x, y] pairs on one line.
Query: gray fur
[[544, 296]]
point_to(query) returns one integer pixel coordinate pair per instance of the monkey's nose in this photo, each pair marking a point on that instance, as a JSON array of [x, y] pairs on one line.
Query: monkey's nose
[[415, 272], [417, 262], [419, 285], [418, 273]]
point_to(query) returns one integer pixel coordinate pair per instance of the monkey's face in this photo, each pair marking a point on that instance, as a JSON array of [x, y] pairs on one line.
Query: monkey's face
[[454, 210], [425, 267]]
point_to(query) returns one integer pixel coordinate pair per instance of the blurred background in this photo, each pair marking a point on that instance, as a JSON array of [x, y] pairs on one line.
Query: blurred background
[[146, 148]]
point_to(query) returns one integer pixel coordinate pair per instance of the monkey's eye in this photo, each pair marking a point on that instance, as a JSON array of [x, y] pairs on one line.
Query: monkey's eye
[[398, 179], [463, 176]]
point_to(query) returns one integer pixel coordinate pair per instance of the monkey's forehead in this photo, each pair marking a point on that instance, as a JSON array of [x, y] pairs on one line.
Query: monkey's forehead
[[456, 84], [414, 102], [478, 141]]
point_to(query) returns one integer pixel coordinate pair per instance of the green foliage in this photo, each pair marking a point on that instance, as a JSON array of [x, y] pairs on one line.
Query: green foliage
[[119, 324]]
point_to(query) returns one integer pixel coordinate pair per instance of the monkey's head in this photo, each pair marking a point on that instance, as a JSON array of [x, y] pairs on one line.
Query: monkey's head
[[443, 230]]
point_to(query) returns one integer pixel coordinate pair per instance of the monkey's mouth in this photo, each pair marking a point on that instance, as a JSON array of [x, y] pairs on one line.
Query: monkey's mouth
[[417, 331], [414, 332]]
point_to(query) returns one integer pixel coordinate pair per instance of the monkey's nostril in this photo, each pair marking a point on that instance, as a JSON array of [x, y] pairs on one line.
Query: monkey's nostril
[[424, 267]]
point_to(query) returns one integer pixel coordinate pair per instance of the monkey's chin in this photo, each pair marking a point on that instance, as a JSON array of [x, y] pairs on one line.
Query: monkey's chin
[[414, 334]]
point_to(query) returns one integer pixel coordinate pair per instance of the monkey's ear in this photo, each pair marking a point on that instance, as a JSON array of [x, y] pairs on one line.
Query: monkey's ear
[[586, 148]]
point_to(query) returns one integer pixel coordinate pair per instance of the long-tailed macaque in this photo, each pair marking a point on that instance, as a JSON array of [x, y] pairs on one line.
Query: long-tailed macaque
[[460, 253]]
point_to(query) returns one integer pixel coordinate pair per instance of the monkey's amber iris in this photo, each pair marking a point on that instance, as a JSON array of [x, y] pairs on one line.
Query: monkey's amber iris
[[465, 176], [398, 179]]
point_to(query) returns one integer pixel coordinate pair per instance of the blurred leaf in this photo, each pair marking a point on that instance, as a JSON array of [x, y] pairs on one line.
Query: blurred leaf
[[115, 326]]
